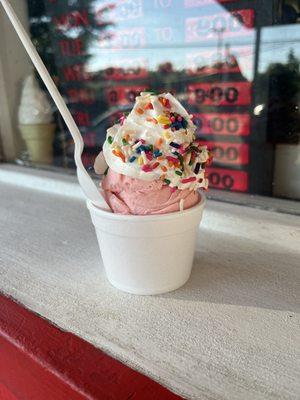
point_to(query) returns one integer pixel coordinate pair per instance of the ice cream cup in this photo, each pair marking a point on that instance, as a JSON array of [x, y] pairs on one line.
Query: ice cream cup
[[147, 255]]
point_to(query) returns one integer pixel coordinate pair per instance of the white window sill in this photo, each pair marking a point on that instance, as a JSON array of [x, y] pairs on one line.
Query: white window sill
[[230, 333]]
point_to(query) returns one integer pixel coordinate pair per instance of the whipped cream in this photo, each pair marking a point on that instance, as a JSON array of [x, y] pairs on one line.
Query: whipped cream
[[157, 141], [35, 107]]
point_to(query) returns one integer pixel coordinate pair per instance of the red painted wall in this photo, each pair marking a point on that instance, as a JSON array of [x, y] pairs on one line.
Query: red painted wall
[[40, 362]]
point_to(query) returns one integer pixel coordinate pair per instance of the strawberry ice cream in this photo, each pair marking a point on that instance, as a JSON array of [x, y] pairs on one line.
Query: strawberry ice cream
[[127, 195]]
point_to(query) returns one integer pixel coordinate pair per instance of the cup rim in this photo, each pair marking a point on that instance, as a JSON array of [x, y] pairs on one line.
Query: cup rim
[[129, 217]]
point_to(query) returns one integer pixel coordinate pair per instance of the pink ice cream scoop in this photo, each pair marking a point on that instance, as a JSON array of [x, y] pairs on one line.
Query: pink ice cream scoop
[[127, 195]]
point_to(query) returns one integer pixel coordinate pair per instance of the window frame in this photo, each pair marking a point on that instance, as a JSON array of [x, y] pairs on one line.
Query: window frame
[[14, 66]]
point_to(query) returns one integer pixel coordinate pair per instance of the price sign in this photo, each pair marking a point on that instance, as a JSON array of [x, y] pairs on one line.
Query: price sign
[[223, 93], [207, 61], [123, 95], [127, 69], [122, 10], [228, 179], [229, 153], [231, 24], [222, 124]]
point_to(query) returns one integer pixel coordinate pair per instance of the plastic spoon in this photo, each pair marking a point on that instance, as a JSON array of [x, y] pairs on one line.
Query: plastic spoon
[[89, 188]]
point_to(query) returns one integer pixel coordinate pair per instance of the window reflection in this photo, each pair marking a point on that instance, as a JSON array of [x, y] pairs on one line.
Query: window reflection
[[225, 60], [279, 72]]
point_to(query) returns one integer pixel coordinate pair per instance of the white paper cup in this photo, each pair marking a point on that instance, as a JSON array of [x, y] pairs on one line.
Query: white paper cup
[[147, 254]]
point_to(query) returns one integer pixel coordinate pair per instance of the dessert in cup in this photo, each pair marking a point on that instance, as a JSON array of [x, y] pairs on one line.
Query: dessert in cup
[[153, 168]]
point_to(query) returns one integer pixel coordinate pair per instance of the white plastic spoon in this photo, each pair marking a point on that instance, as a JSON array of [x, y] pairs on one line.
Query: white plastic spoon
[[89, 188]]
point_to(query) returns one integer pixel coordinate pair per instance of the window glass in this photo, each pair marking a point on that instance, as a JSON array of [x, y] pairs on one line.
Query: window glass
[[233, 64]]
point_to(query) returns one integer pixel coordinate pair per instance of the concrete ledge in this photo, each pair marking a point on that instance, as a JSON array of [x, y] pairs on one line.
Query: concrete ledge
[[232, 332]]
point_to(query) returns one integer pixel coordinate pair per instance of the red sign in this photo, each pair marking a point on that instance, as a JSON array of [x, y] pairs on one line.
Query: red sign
[[229, 153], [218, 68], [230, 24], [223, 93], [239, 59], [228, 179], [123, 95], [222, 124], [126, 69]]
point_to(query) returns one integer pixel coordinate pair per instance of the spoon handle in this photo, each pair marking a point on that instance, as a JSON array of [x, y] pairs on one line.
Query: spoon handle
[[85, 181]]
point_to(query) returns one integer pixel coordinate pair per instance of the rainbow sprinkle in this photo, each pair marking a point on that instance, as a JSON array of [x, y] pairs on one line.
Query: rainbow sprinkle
[[187, 180], [118, 153]]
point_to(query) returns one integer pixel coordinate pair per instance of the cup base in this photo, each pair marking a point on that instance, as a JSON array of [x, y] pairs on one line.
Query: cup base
[[147, 292]]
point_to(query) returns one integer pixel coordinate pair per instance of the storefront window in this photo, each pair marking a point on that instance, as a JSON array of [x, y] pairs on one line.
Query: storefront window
[[233, 64]]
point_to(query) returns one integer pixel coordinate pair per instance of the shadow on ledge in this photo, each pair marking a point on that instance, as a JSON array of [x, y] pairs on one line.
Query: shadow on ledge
[[232, 270]]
